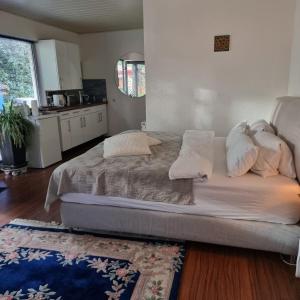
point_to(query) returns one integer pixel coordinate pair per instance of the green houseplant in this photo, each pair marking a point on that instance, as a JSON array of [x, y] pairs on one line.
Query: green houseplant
[[14, 131]]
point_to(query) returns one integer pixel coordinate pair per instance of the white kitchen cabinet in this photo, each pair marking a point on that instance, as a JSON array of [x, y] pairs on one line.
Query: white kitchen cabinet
[[76, 131], [88, 125], [82, 125], [59, 66], [95, 123], [66, 137], [103, 120], [63, 71], [91, 128], [44, 147], [74, 66], [59, 132]]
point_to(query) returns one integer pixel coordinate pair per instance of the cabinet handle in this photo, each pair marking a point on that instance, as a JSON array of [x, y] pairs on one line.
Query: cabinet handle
[[84, 121], [69, 125], [100, 117], [81, 122]]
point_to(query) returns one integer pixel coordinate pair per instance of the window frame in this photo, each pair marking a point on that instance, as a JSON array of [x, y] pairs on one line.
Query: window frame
[[134, 64]]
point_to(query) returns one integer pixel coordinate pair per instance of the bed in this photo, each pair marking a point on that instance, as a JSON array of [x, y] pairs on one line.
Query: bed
[[248, 211]]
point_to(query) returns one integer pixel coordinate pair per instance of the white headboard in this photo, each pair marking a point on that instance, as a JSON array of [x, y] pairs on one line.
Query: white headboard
[[286, 120]]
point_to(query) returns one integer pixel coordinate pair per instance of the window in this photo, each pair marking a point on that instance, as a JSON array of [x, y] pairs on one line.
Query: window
[[17, 71], [131, 77]]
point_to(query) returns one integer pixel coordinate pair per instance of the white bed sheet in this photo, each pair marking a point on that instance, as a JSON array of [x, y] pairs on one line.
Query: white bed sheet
[[249, 197]]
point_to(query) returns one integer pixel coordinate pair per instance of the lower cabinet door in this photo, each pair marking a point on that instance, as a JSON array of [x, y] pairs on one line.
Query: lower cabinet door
[[82, 128], [88, 127], [77, 131], [92, 125], [103, 118], [65, 134], [49, 141]]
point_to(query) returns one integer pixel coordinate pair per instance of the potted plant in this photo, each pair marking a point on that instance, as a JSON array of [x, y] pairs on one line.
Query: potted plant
[[14, 131]]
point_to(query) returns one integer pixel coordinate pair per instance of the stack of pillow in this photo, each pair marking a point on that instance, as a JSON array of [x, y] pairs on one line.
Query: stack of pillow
[[258, 149]]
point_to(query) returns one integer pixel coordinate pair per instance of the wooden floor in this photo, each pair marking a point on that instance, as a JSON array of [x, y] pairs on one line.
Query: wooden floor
[[210, 272]]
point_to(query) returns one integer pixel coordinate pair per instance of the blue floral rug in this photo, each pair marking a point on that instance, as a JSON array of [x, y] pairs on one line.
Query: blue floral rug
[[2, 189], [44, 261]]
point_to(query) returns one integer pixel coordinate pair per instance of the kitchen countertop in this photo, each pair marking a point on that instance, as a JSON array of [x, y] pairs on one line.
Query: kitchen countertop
[[43, 116], [56, 109]]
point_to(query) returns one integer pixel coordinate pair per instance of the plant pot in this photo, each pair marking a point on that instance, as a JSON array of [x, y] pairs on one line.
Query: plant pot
[[12, 156]]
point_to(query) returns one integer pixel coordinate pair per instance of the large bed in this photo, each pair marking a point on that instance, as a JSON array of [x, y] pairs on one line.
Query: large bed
[[248, 211]]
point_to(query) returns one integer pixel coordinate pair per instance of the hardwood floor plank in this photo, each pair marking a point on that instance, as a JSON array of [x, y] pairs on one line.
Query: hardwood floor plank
[[218, 272], [268, 273]]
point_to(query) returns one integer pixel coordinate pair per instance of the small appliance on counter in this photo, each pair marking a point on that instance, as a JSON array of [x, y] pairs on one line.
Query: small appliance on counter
[[59, 100], [62, 98]]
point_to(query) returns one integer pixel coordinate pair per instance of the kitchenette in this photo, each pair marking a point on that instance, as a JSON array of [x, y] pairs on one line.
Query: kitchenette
[[72, 110]]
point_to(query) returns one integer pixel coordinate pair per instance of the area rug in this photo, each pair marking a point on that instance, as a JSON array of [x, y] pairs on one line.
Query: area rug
[[45, 261]]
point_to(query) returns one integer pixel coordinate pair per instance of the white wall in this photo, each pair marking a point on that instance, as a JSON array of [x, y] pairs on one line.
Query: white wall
[[99, 54], [15, 26], [294, 84], [190, 86]]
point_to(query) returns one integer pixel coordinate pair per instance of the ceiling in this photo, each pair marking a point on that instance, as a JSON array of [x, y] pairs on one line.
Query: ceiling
[[80, 16]]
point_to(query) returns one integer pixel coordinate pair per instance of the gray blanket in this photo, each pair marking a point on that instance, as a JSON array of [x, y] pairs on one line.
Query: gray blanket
[[136, 177]]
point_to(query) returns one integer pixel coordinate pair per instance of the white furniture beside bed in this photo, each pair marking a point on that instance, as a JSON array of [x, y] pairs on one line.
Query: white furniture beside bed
[[44, 147], [248, 211], [81, 125], [56, 132]]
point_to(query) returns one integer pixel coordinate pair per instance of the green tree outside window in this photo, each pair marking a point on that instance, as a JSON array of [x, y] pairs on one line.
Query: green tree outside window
[[16, 69]]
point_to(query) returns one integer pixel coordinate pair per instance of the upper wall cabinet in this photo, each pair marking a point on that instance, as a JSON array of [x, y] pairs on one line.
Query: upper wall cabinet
[[59, 65]]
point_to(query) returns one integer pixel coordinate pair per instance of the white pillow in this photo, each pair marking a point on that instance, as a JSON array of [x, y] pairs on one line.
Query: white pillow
[[235, 131], [261, 125], [267, 162], [135, 143], [153, 141], [241, 155], [281, 152]]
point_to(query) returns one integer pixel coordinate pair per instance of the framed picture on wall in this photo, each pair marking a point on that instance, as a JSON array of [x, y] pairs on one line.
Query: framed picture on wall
[[222, 43]]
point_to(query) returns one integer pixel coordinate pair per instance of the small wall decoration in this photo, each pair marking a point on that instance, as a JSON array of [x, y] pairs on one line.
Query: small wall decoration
[[222, 43]]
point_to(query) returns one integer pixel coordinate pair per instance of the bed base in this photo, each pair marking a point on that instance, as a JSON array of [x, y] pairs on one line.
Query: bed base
[[239, 233]]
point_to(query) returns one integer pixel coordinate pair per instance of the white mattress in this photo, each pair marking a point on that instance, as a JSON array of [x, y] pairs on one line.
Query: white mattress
[[250, 197]]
